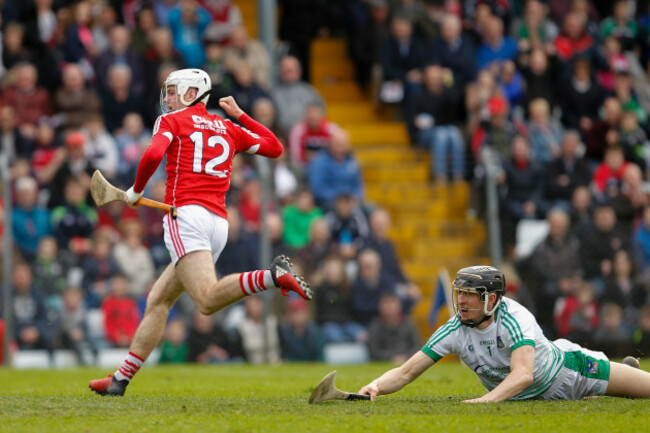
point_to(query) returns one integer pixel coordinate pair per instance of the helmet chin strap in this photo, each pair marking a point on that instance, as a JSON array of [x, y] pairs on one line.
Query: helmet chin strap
[[200, 98]]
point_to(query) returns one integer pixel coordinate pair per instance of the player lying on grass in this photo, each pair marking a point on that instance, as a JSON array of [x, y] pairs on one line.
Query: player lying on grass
[[199, 147], [501, 341]]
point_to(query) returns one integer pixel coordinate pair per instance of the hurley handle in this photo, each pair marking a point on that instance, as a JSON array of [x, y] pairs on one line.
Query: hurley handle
[[158, 205], [354, 396]]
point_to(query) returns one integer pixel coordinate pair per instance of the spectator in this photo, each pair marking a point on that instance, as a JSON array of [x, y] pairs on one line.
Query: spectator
[[576, 314], [241, 250], [627, 96], [608, 176], [310, 135], [367, 41], [74, 101], [244, 89], [30, 102], [582, 98], [100, 147], [98, 267], [392, 336], [259, 348], [79, 45], [243, 49], [133, 257], [292, 96], [209, 343], [226, 16], [495, 47], [523, 179], [436, 108], [162, 9], [545, 133], [402, 58], [102, 26], [121, 315], [46, 148], [69, 162], [348, 225], [633, 140], [15, 51], [368, 287], [566, 172], [175, 347], [119, 99], [621, 25], [333, 304], [602, 133], [599, 241], [623, 288], [512, 85], [312, 255], [379, 241], [455, 51], [30, 323], [75, 220], [119, 54], [573, 41], [145, 27], [131, 142], [300, 338], [298, 217], [275, 229], [73, 334], [15, 144], [30, 222], [50, 273], [188, 22], [215, 66], [556, 265], [495, 132], [641, 243], [541, 80], [335, 172], [534, 30], [612, 337]]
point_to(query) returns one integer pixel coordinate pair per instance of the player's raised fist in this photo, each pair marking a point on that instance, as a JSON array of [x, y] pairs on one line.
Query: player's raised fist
[[230, 107]]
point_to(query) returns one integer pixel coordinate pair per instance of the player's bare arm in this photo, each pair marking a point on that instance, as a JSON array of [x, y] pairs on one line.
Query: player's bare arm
[[520, 377], [397, 378]]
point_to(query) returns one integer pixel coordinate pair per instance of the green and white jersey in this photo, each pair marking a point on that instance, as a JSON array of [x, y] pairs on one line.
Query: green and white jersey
[[487, 351]]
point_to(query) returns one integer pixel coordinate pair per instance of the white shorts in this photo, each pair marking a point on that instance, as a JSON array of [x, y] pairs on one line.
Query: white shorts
[[584, 373], [194, 229]]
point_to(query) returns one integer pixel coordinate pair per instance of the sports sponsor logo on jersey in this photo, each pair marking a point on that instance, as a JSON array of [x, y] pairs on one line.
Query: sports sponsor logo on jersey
[[500, 344], [487, 343], [470, 348], [214, 125]]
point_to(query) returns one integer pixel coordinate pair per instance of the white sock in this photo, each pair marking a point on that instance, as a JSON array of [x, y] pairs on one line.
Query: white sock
[[255, 282]]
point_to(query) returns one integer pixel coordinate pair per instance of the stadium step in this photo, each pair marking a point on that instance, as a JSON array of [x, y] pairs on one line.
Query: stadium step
[[377, 133], [340, 91], [353, 111], [430, 228]]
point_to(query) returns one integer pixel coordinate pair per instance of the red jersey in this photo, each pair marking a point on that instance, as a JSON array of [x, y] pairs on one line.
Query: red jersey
[[199, 147]]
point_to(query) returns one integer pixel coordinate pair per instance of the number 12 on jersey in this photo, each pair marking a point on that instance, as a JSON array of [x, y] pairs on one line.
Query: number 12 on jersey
[[213, 141]]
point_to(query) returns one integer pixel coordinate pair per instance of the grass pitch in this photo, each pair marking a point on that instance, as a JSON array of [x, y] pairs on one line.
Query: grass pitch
[[274, 398]]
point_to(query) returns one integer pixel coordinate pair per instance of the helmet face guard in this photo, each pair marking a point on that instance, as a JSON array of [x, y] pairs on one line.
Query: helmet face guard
[[473, 281]]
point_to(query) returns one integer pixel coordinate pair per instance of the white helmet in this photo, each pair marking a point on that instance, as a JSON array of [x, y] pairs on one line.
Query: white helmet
[[184, 79]]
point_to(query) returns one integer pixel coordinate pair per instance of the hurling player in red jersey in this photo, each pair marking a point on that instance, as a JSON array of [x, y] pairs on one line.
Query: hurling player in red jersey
[[199, 147]]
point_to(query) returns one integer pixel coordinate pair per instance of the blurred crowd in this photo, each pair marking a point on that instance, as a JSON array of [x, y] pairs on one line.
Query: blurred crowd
[[554, 93], [80, 91]]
